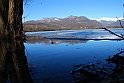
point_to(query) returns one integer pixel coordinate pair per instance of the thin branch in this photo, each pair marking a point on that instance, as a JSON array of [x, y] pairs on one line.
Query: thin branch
[[26, 2], [113, 33], [120, 22], [25, 17]]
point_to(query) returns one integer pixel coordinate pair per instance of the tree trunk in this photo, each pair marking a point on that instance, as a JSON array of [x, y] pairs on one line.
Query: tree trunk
[[3, 16], [15, 17], [11, 18]]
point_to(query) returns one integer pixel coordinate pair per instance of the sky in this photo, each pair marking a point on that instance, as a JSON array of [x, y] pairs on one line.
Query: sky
[[93, 9]]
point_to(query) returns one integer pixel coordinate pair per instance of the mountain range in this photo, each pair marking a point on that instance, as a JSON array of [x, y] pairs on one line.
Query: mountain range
[[70, 21]]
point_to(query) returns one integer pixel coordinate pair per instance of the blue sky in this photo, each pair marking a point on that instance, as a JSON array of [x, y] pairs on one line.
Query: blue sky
[[38, 9]]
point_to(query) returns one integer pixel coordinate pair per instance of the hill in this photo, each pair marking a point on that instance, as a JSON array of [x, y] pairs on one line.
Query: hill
[[70, 22]]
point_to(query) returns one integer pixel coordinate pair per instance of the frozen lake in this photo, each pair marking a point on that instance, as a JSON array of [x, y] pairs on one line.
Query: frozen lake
[[52, 54], [79, 34]]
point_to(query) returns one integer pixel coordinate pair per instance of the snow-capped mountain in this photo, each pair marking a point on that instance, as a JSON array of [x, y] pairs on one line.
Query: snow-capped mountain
[[111, 21], [49, 20], [70, 21], [106, 23]]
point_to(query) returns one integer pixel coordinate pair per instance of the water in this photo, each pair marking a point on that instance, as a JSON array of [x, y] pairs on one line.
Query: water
[[51, 60]]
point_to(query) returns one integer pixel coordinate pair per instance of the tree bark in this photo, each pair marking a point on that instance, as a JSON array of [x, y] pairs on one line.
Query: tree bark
[[3, 16], [11, 18], [15, 17]]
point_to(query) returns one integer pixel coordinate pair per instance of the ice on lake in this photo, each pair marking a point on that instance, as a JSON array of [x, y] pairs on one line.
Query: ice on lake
[[79, 34]]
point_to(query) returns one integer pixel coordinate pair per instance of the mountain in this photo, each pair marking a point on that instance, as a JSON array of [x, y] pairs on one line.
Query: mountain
[[112, 23], [106, 23], [117, 23], [70, 21]]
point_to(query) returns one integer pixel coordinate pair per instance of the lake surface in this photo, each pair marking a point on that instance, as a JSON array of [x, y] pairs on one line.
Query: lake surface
[[51, 58]]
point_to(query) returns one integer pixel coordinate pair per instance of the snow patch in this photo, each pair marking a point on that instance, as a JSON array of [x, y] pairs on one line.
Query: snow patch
[[107, 19]]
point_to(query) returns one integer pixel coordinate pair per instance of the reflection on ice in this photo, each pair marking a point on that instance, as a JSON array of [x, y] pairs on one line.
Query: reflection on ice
[[72, 36], [78, 34], [39, 39]]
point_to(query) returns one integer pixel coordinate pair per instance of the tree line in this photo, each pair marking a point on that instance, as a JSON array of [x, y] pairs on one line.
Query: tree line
[[47, 27]]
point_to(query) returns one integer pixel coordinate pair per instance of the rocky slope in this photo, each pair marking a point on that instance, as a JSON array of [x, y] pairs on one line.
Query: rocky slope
[[71, 21]]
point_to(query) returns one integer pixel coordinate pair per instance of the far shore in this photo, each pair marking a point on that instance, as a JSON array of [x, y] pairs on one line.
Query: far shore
[[37, 28]]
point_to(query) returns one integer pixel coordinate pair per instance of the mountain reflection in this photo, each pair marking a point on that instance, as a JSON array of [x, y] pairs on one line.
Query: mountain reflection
[[46, 41], [13, 63]]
